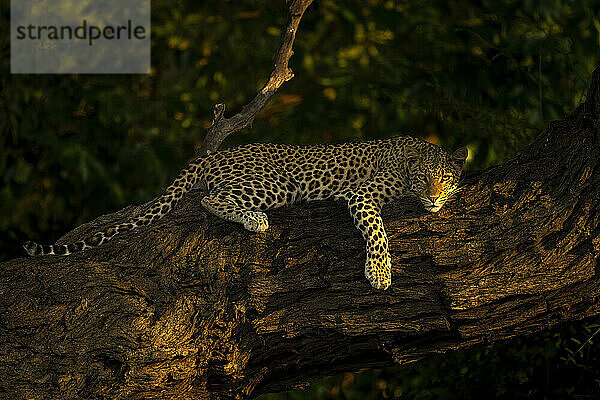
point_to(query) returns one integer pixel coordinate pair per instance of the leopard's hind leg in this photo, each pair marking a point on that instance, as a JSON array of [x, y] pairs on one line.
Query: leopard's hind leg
[[244, 198], [225, 204]]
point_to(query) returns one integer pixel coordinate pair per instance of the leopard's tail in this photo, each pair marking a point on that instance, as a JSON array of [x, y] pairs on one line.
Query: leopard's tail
[[186, 179]]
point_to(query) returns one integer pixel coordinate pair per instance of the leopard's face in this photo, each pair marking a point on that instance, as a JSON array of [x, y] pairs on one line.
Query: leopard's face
[[434, 175]]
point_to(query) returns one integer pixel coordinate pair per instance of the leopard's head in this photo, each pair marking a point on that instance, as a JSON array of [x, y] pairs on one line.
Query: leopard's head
[[434, 173]]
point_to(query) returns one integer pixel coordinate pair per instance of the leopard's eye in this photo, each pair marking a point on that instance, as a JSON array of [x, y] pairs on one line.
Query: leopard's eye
[[446, 177]]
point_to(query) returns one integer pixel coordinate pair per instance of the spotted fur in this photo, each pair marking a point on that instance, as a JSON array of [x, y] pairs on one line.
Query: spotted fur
[[243, 182]]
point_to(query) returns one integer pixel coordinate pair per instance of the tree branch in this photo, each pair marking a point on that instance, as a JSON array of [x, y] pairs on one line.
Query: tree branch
[[222, 127], [196, 307]]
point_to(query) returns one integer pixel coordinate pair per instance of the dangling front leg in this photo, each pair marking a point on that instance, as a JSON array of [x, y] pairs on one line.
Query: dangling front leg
[[365, 203], [365, 213]]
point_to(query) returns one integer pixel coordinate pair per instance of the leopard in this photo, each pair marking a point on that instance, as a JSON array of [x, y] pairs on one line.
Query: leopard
[[243, 182]]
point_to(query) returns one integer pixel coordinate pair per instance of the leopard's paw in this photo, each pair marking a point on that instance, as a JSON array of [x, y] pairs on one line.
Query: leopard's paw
[[256, 221], [378, 270]]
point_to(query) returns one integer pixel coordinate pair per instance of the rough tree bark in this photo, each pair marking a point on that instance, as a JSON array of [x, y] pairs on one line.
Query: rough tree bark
[[196, 307]]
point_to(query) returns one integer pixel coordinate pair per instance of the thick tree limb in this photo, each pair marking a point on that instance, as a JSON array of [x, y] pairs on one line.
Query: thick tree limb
[[195, 307], [222, 127]]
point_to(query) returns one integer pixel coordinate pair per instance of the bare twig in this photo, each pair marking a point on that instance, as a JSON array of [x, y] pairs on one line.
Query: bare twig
[[222, 127]]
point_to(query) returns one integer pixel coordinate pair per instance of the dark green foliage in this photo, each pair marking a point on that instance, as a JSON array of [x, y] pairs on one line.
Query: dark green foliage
[[486, 74]]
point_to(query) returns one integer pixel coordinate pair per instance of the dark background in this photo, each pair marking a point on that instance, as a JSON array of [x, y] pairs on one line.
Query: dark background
[[486, 74]]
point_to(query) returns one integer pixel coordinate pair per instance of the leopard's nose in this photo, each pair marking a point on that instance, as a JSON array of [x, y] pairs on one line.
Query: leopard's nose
[[433, 199]]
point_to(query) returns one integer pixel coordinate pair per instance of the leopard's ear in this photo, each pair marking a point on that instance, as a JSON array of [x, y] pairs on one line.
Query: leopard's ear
[[412, 156], [459, 156]]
